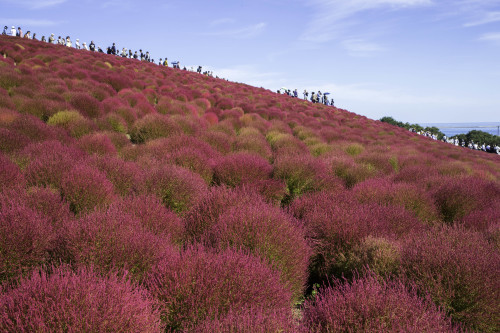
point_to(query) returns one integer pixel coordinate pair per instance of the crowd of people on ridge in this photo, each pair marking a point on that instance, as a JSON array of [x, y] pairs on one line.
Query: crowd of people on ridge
[[316, 97], [454, 141], [112, 50]]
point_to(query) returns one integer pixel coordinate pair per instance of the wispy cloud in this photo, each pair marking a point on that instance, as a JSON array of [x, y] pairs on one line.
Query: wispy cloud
[[358, 47], [245, 32], [489, 17], [490, 37], [222, 21], [117, 4], [30, 22], [333, 18], [35, 4]]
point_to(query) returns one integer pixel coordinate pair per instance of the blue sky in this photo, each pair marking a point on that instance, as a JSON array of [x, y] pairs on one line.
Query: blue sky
[[415, 60]]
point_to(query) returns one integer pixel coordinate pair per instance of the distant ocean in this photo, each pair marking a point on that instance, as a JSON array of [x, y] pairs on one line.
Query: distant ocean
[[451, 129]]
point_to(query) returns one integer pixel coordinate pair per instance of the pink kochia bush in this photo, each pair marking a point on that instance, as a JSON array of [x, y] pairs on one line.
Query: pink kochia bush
[[26, 237], [48, 161], [371, 305], [205, 214], [238, 168], [86, 188], [114, 240], [460, 270], [339, 228], [409, 196], [459, 196], [153, 216], [82, 301], [255, 320], [200, 285], [265, 231], [10, 175]]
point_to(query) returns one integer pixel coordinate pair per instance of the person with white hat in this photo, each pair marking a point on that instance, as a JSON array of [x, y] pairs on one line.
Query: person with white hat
[[77, 44], [13, 31], [51, 39], [85, 46]]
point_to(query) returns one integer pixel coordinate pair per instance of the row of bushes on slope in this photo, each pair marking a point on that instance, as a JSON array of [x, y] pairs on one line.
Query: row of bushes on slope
[[289, 194]]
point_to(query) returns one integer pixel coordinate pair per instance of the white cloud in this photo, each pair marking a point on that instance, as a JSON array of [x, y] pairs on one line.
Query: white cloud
[[333, 18], [489, 17], [358, 47], [30, 22], [36, 4], [222, 21], [490, 37], [245, 32]]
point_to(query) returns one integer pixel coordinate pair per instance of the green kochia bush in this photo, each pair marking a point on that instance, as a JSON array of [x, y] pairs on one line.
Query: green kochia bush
[[82, 301], [153, 126], [178, 188]]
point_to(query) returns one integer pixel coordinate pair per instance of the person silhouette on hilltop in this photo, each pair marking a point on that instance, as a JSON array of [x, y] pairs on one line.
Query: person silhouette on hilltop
[[4, 32]]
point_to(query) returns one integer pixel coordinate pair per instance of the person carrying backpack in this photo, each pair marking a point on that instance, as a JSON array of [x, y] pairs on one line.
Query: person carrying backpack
[[4, 32], [19, 32], [165, 62]]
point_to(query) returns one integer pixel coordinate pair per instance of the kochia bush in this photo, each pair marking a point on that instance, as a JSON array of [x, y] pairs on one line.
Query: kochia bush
[[459, 269], [113, 240], [371, 305], [199, 285], [26, 238], [240, 168], [178, 188], [267, 232], [79, 301], [86, 188]]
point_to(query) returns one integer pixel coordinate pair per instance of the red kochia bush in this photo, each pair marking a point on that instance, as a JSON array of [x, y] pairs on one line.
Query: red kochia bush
[[126, 177], [153, 216], [460, 270], [371, 305], [240, 168], [26, 238], [338, 226], [459, 196], [114, 240], [409, 196], [10, 175], [269, 233], [48, 162], [97, 143], [204, 215], [178, 188], [254, 320], [65, 301], [86, 188], [200, 285], [86, 104]]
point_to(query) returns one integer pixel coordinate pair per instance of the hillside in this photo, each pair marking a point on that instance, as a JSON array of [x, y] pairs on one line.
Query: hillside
[[140, 198]]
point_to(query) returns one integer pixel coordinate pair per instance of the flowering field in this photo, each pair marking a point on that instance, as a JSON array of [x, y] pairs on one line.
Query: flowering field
[[140, 198]]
